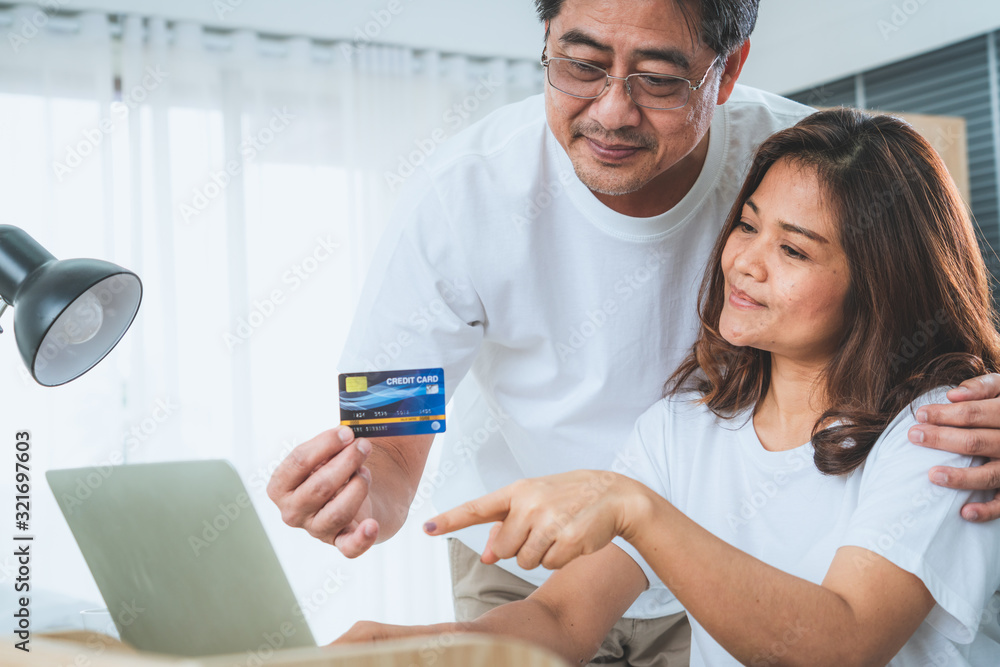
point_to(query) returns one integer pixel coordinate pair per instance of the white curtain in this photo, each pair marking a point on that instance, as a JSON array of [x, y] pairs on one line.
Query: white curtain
[[246, 180]]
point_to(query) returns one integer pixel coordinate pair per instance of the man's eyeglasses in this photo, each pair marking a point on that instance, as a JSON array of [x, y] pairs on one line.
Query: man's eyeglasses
[[650, 91]]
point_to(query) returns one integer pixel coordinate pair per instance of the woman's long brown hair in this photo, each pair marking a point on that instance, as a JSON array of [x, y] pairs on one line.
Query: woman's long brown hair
[[918, 314]]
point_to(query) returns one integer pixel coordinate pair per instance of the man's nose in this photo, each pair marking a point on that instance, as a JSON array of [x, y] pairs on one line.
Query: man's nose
[[614, 109]]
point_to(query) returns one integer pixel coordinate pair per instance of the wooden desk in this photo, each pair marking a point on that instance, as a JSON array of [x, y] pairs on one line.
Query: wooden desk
[[88, 649]]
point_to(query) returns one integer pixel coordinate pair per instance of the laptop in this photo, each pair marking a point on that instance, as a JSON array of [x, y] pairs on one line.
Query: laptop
[[181, 558]]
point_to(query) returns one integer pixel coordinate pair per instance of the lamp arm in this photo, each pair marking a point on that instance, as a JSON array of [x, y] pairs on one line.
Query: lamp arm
[[20, 255]]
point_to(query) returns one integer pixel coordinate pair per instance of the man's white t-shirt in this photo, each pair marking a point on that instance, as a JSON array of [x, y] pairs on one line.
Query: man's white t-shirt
[[569, 315], [777, 507]]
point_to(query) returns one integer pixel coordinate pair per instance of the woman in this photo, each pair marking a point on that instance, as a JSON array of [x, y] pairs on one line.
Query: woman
[[774, 490]]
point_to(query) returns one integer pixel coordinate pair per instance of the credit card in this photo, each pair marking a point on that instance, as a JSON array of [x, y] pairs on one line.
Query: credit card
[[390, 403]]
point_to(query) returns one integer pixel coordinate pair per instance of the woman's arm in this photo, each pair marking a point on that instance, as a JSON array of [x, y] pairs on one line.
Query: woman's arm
[[570, 614], [862, 614]]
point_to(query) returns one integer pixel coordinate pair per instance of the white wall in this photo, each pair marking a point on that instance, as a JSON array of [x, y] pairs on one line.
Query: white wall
[[800, 43]]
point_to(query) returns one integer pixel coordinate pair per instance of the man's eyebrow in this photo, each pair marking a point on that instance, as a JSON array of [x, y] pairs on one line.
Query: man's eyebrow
[[670, 56], [580, 38], [789, 227]]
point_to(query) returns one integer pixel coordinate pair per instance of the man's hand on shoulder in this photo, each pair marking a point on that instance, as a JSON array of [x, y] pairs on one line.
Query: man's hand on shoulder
[[969, 425]]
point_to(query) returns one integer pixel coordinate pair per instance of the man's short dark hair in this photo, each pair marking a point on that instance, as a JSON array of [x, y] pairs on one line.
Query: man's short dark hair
[[725, 24]]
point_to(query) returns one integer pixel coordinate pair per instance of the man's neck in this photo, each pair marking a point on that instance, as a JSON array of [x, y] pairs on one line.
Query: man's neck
[[663, 192]]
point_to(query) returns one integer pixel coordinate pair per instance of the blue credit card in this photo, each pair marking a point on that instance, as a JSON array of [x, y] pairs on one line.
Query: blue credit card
[[390, 403]]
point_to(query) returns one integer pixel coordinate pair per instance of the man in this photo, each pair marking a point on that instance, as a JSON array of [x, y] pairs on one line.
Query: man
[[555, 251]]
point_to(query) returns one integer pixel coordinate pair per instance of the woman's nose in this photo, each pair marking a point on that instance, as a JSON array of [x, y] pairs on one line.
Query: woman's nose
[[750, 260]]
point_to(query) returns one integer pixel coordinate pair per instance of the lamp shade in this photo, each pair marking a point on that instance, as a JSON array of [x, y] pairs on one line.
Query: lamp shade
[[68, 314]]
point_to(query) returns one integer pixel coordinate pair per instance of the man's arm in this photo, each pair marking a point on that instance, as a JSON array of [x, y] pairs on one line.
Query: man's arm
[[970, 425], [349, 492]]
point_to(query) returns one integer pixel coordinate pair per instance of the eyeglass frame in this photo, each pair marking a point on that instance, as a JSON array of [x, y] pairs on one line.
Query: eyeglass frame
[[628, 88]]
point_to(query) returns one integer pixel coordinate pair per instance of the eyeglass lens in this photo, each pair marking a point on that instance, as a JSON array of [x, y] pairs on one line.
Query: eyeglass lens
[[655, 91]]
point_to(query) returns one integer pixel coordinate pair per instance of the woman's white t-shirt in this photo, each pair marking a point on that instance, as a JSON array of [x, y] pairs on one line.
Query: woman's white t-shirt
[[777, 507]]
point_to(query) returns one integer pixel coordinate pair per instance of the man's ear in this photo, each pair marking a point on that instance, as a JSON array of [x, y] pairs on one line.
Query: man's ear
[[734, 65]]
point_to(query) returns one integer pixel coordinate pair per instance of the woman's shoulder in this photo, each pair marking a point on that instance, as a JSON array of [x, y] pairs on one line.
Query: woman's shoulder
[[895, 438], [908, 414], [686, 408]]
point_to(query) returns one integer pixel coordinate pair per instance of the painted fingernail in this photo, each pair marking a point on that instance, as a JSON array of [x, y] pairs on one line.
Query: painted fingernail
[[916, 436], [922, 416], [364, 446], [939, 478], [345, 435], [430, 527]]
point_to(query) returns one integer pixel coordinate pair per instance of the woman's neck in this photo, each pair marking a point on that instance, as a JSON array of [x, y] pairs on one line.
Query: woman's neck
[[795, 399]]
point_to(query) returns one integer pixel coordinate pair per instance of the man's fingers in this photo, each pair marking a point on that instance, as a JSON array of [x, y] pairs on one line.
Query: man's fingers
[[979, 478], [966, 414], [982, 512], [358, 539], [302, 460], [324, 485], [979, 388], [491, 507], [968, 441], [340, 511]]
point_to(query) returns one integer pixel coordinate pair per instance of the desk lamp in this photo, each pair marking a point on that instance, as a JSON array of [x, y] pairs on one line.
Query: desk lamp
[[68, 314]]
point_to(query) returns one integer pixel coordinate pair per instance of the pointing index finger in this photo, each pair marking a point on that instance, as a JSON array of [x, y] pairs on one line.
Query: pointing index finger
[[491, 507]]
